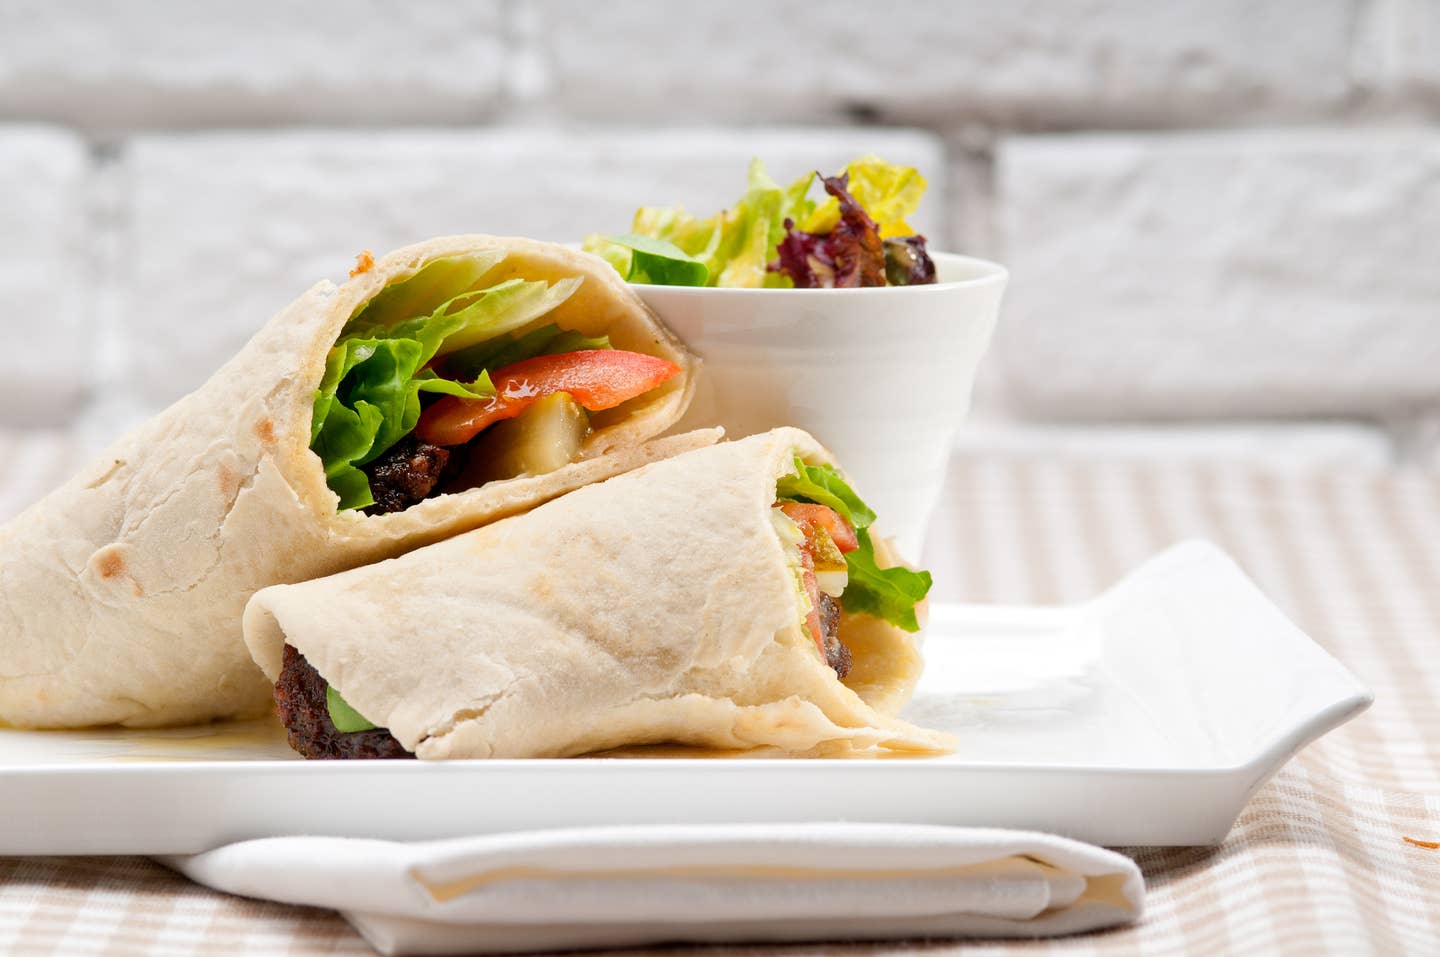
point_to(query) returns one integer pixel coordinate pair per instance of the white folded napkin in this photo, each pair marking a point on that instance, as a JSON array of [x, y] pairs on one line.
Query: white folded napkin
[[622, 886]]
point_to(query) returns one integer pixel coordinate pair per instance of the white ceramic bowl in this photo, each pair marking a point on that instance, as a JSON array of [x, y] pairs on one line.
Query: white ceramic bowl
[[881, 376]]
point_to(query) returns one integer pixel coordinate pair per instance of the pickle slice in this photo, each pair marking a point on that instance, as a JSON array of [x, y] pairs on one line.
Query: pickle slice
[[827, 553], [832, 573]]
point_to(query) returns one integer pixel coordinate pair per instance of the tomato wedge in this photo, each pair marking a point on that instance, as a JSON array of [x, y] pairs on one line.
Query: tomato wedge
[[596, 378], [809, 517], [812, 589]]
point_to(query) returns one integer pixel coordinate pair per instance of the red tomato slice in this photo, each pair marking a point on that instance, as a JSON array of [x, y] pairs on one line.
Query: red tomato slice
[[809, 517], [812, 588], [596, 378]]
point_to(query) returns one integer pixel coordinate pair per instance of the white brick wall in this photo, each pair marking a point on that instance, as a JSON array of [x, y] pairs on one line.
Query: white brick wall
[[1222, 274], [171, 63], [1417, 30], [1398, 49], [225, 229], [46, 296], [1039, 61], [105, 65]]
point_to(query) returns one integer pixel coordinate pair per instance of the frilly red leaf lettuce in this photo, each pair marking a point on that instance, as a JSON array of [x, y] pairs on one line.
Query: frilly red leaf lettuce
[[850, 254]]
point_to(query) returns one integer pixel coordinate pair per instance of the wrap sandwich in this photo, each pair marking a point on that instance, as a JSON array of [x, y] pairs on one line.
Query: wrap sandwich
[[442, 387], [731, 597]]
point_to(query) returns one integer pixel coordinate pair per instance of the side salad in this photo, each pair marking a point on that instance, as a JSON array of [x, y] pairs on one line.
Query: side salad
[[781, 237]]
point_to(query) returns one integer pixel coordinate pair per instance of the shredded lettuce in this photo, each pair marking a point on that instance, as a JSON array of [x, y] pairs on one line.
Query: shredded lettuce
[[369, 397], [345, 718], [890, 594], [737, 244]]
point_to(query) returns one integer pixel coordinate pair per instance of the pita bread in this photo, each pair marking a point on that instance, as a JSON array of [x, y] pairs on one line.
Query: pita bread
[[658, 606], [121, 592]]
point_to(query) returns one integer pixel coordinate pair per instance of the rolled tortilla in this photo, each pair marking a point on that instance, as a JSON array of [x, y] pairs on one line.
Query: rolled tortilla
[[656, 607], [121, 592]]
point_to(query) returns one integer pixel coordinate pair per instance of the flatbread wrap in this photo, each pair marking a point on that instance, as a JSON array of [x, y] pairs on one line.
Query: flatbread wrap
[[442, 387], [731, 597]]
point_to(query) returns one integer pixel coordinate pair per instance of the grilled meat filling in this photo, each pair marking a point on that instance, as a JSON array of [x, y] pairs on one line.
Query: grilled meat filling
[[407, 473], [837, 655], [300, 697]]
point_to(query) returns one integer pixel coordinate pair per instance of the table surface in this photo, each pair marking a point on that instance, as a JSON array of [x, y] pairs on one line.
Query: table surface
[[1319, 863]]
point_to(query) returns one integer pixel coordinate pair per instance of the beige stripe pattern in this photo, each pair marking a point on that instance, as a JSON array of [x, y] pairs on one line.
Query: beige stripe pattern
[[1318, 863]]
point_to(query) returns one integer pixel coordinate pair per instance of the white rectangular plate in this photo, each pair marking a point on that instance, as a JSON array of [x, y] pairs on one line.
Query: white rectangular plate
[[1148, 715]]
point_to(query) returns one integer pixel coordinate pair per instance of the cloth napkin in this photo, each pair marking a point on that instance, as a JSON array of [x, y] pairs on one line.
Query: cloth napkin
[[623, 886]]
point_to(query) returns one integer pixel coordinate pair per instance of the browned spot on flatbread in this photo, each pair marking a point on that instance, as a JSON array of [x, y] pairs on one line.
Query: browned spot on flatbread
[[110, 563], [105, 476], [541, 589], [364, 262], [665, 659], [265, 431], [226, 478]]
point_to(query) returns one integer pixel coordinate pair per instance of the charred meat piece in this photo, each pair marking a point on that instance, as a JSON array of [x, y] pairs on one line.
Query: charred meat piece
[[837, 656], [829, 616], [407, 473], [300, 697]]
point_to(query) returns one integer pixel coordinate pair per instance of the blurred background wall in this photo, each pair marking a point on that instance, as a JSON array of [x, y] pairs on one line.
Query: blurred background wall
[[1222, 218]]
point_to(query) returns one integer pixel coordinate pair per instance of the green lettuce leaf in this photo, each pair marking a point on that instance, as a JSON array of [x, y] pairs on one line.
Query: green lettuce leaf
[[345, 718], [570, 341], [822, 485], [486, 313], [545, 340], [734, 245], [750, 230], [369, 397], [887, 192], [659, 262], [436, 282], [696, 237], [890, 594], [617, 256]]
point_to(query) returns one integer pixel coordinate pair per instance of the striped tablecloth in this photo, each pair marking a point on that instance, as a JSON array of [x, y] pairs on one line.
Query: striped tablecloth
[[1329, 858]]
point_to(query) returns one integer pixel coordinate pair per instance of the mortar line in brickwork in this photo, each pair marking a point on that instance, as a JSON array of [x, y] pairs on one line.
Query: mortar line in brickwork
[[524, 93], [109, 404], [970, 198]]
